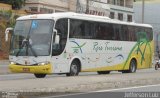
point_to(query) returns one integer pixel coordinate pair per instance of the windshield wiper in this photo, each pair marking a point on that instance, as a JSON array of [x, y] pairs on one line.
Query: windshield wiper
[[23, 44], [32, 50], [28, 45]]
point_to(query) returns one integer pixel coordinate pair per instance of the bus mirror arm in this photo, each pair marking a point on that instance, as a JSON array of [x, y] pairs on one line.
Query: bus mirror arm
[[6, 33]]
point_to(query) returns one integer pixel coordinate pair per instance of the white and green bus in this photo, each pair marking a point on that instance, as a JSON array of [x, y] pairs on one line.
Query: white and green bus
[[69, 43]]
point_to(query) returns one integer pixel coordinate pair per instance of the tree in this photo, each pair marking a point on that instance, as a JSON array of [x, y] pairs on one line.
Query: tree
[[6, 20], [3, 24]]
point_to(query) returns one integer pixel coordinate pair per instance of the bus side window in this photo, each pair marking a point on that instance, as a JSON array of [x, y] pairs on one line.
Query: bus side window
[[116, 34], [149, 34], [110, 32], [124, 32], [131, 33], [100, 32], [75, 28]]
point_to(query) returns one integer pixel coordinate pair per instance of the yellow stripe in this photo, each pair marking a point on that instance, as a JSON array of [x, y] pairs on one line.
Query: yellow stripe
[[106, 68], [43, 69]]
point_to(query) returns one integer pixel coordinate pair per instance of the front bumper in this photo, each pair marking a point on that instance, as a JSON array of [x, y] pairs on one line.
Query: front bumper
[[38, 69]]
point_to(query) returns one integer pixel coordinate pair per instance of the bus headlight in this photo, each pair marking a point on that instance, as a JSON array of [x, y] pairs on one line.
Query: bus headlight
[[44, 63], [12, 63]]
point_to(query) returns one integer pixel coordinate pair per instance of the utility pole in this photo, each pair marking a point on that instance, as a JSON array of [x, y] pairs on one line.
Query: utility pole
[[87, 6], [143, 11], [78, 7]]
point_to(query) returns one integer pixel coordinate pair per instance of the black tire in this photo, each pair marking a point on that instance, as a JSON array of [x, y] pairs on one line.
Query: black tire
[[132, 67], [156, 67], [103, 72], [74, 69], [40, 75]]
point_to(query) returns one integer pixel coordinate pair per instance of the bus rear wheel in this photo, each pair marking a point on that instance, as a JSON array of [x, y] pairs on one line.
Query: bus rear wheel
[[103, 72], [74, 69], [40, 75], [132, 67]]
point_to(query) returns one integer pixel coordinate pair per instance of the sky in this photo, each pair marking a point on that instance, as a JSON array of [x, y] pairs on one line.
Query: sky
[[151, 14]]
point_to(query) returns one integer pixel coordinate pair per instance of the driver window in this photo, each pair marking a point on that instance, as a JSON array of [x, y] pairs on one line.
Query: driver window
[[62, 31]]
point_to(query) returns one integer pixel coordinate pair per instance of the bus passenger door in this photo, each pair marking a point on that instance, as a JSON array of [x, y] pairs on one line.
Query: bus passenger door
[[59, 58]]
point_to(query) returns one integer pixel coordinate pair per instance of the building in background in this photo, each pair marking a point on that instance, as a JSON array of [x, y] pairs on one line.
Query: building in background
[[115, 9], [121, 9], [49, 6], [94, 7]]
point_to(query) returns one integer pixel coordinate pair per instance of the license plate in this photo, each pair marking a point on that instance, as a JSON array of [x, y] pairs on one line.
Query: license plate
[[26, 69]]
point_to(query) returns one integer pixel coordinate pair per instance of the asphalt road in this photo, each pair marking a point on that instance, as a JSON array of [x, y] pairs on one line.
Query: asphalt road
[[85, 82], [148, 91], [22, 76]]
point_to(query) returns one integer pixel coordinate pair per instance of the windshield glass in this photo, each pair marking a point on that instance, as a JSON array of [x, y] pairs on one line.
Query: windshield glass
[[32, 38]]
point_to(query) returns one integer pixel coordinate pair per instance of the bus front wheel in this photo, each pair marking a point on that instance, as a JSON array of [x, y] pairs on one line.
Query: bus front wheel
[[39, 75], [74, 69]]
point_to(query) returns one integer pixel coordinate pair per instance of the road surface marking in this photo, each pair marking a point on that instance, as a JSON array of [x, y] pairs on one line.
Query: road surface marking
[[127, 88], [101, 91]]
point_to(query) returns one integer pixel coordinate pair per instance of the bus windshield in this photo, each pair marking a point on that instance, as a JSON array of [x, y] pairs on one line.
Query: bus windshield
[[32, 38]]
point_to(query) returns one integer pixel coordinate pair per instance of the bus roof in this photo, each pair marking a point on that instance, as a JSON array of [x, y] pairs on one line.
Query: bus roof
[[80, 16]]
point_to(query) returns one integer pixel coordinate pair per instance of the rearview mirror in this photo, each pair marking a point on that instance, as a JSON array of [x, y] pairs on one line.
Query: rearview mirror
[[57, 37], [6, 33]]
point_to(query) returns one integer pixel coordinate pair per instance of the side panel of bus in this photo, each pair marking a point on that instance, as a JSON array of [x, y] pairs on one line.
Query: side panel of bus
[[99, 55], [108, 46], [111, 50]]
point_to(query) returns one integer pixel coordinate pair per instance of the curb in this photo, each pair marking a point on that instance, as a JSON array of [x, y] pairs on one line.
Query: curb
[[105, 85]]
